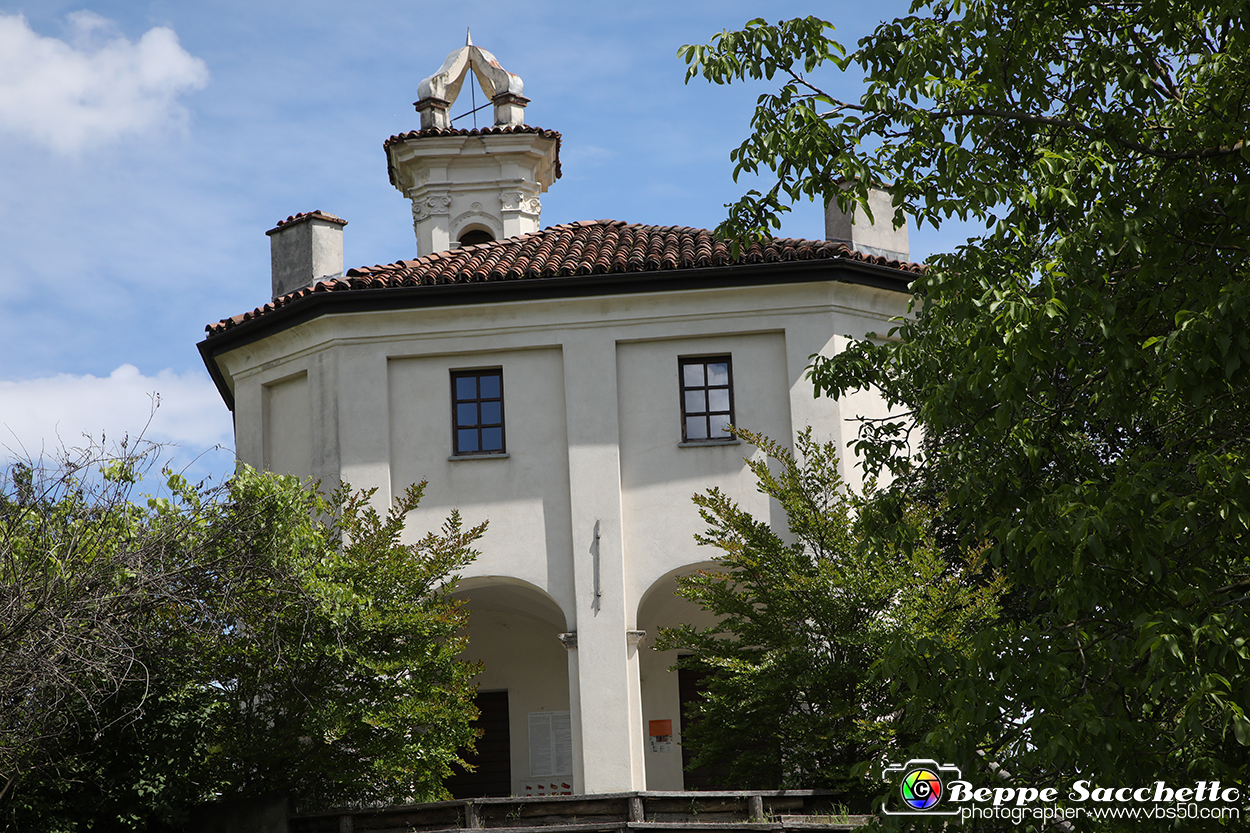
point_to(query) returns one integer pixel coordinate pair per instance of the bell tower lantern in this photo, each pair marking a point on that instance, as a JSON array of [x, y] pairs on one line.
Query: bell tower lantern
[[472, 185]]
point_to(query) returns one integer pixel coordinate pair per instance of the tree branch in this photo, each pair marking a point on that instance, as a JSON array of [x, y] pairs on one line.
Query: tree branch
[[1031, 118]]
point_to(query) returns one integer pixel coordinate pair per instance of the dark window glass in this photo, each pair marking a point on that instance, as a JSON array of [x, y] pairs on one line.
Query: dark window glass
[[477, 411], [706, 398]]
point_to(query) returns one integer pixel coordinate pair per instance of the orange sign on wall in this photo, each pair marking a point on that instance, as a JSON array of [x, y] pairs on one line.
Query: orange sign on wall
[[661, 732]]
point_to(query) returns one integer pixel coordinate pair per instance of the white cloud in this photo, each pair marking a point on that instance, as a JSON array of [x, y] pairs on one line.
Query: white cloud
[[41, 415], [97, 87]]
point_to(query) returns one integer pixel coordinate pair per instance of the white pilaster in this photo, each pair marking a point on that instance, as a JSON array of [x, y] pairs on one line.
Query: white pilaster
[[249, 423], [520, 210], [431, 221], [575, 713], [323, 399], [604, 699], [364, 423]]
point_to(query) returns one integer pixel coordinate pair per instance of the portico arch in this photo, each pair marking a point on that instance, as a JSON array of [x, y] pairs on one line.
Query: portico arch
[[661, 607], [513, 631]]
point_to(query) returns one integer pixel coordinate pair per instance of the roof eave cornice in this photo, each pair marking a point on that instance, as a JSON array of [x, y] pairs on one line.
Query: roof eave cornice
[[315, 304]]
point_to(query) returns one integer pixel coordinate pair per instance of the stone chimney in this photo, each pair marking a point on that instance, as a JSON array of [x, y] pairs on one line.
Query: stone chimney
[[305, 248], [872, 238]]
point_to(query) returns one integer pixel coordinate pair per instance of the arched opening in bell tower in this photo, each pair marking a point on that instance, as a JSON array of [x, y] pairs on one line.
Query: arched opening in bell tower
[[475, 235]]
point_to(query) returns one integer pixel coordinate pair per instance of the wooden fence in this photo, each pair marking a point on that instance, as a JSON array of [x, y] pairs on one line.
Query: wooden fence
[[642, 812]]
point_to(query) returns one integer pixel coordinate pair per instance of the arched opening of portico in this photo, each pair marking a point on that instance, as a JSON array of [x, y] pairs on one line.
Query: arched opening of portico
[[523, 690], [663, 693]]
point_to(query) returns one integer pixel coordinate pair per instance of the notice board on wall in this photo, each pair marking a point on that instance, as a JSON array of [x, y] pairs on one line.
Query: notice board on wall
[[660, 733], [551, 744]]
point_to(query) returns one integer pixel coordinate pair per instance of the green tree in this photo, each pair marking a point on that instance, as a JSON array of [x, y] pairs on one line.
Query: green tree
[[218, 643], [75, 582], [347, 688], [804, 616], [1072, 387]]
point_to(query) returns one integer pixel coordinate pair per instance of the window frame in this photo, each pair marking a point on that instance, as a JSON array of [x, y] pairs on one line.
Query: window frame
[[477, 374], [682, 389]]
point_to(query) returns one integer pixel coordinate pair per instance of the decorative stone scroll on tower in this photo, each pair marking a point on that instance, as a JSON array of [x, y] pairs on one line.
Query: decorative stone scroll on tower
[[471, 186]]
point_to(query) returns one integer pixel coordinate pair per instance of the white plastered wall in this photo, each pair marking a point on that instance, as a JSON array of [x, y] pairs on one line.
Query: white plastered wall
[[524, 496], [592, 421], [659, 476]]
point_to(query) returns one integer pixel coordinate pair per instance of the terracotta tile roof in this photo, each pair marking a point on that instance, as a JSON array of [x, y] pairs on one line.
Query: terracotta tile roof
[[598, 247], [476, 131], [305, 216]]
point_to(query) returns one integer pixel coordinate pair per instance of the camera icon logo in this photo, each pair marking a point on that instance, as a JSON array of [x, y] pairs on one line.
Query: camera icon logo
[[922, 784]]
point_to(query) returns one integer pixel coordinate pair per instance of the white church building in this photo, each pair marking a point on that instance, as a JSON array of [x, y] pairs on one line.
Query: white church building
[[570, 384]]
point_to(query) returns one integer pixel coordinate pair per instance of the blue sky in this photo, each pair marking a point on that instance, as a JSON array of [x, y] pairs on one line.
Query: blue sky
[[146, 147]]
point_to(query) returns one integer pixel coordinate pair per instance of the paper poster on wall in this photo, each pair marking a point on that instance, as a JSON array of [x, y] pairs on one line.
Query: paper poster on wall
[[661, 733], [551, 744]]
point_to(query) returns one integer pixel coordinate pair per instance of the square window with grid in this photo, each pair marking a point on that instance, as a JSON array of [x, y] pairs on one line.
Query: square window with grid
[[477, 411], [706, 398]]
